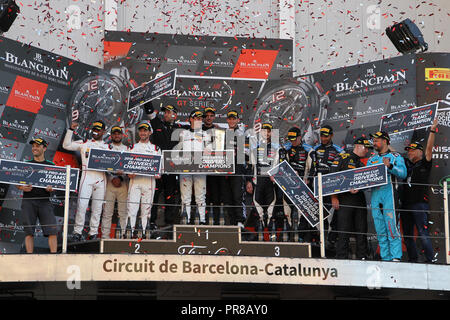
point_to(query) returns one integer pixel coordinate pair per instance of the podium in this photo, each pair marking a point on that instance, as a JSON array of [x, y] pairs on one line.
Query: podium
[[206, 240]]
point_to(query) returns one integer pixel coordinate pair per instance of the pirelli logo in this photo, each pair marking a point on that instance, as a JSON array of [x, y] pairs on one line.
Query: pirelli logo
[[437, 74]]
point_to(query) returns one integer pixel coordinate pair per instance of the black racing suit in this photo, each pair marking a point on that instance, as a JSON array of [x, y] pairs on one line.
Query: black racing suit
[[322, 157], [267, 156], [215, 184], [169, 184], [297, 157], [234, 185], [352, 213]]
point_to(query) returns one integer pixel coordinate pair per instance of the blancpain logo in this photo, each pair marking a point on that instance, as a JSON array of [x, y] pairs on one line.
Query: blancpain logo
[[218, 63], [254, 64], [4, 89], [370, 111], [37, 65], [374, 80], [282, 66], [182, 60], [403, 106], [340, 116], [195, 93], [15, 125], [57, 104], [27, 95], [46, 132]]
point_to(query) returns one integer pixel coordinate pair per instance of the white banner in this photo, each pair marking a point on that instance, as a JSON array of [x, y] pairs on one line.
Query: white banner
[[206, 268]]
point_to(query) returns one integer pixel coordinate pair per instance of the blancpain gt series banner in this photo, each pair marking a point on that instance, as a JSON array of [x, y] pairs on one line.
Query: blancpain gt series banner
[[37, 90]]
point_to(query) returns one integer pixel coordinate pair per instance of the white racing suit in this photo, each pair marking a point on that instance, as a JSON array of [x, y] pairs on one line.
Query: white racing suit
[[92, 183], [112, 194], [194, 140], [141, 189]]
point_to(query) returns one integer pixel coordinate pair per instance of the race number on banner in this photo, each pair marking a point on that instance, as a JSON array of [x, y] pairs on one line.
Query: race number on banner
[[359, 178], [408, 120], [199, 162], [298, 192], [152, 89], [128, 162], [37, 175]]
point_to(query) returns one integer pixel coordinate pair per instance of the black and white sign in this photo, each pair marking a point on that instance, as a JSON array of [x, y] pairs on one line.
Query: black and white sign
[[359, 178], [298, 192], [37, 175], [409, 120], [152, 89], [199, 162], [128, 162]]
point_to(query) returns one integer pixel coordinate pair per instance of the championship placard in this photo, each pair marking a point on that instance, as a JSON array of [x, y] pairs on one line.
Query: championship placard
[[128, 162], [199, 162], [152, 89], [409, 120], [37, 175], [359, 178], [298, 192]]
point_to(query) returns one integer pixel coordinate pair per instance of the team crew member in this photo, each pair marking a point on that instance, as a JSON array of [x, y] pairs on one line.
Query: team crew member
[[233, 193], [194, 139], [383, 198], [322, 156], [116, 189], [351, 206], [267, 156], [142, 188], [296, 154], [169, 184], [36, 204], [415, 197], [215, 184], [92, 183]]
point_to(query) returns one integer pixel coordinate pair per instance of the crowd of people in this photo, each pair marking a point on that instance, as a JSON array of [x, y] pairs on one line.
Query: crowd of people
[[254, 157]]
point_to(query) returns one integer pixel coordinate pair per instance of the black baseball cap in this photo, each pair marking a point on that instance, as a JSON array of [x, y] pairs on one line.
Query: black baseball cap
[[116, 129], [326, 130], [293, 133], [232, 114], [196, 113], [170, 107], [366, 143], [145, 125], [99, 125], [414, 146], [39, 141], [267, 126], [381, 134], [209, 109]]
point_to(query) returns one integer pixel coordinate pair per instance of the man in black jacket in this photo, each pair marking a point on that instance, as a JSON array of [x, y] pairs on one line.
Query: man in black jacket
[[351, 206], [164, 136]]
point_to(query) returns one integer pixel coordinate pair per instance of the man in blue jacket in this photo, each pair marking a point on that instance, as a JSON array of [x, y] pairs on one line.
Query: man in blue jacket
[[384, 197]]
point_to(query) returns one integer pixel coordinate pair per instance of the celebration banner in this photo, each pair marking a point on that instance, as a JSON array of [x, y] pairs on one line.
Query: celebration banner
[[199, 162], [37, 175], [409, 120], [128, 162], [298, 192], [356, 179]]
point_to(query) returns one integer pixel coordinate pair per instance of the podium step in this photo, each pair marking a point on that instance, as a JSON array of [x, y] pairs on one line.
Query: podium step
[[207, 240]]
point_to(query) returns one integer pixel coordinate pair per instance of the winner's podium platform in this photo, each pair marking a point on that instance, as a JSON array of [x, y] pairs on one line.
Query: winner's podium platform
[[197, 239]]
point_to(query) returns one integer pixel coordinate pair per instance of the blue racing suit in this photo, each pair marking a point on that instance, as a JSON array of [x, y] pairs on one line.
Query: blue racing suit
[[383, 207]]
